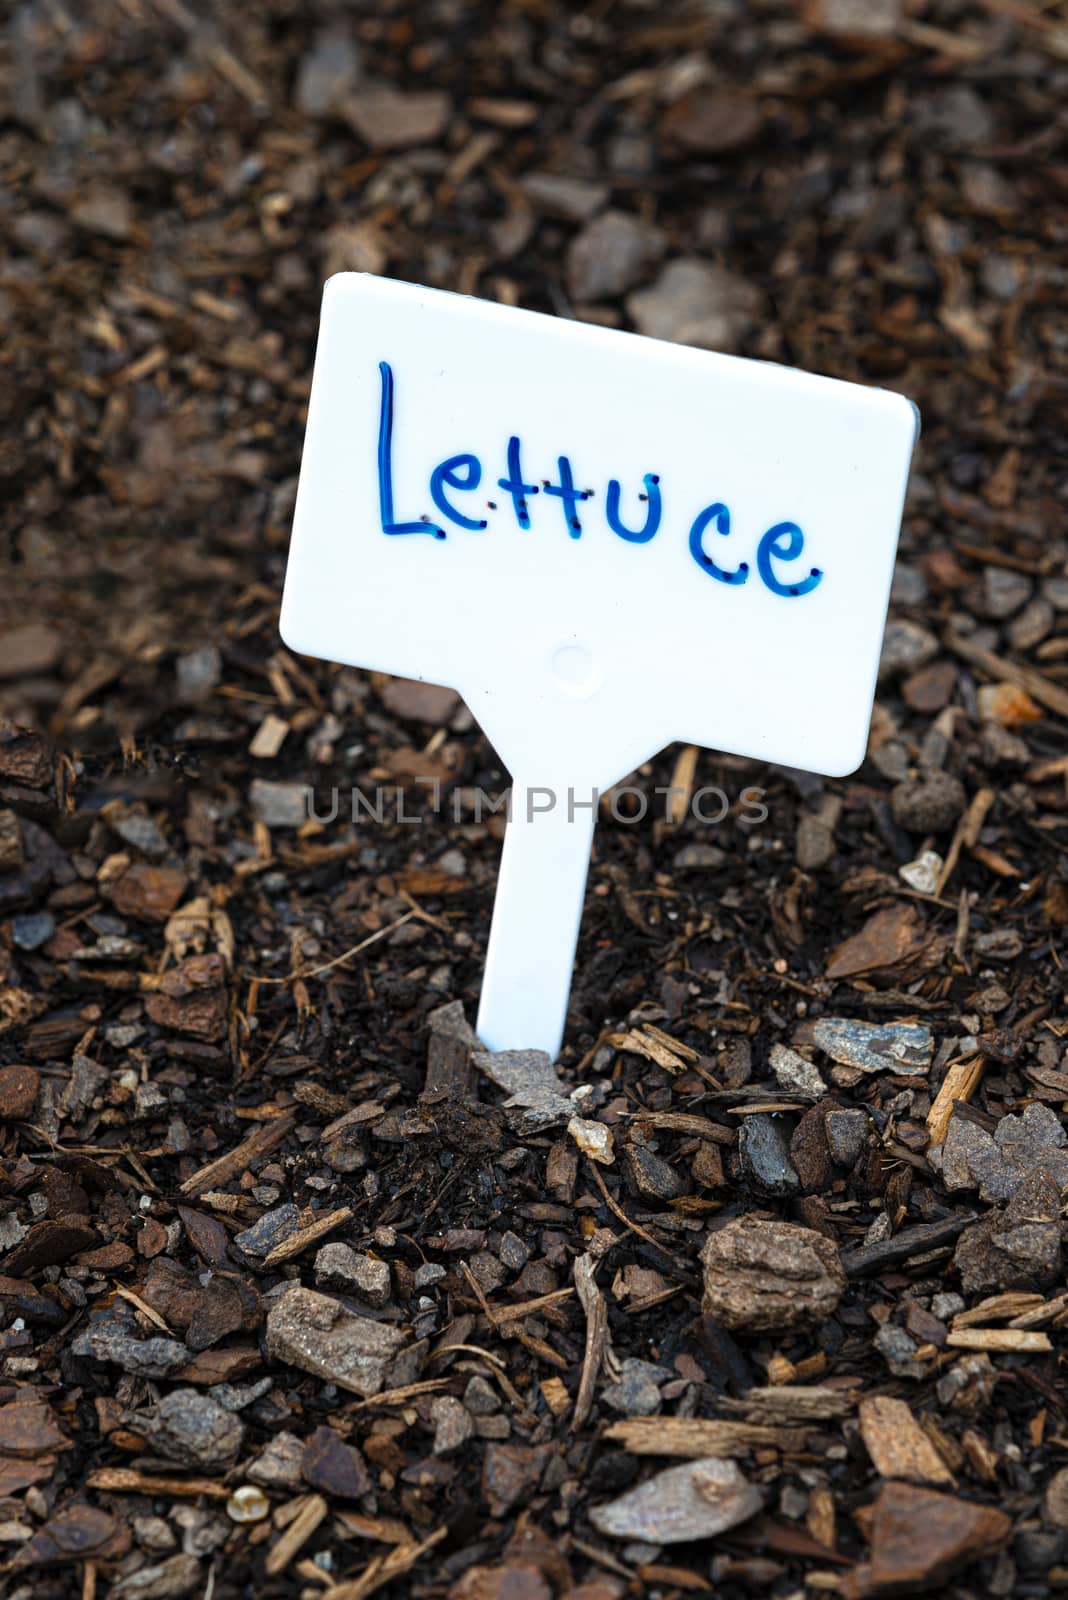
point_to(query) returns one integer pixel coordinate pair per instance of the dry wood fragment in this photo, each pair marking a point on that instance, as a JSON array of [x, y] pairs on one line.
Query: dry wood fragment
[[959, 1083], [793, 1404], [641, 1044], [999, 1339], [127, 1480], [982, 1457], [1036, 684], [897, 1444], [526, 1308], [820, 1518], [299, 1241], [554, 1393], [597, 1339], [1048, 1311], [686, 1122], [400, 1397], [967, 832], [226, 1167], [998, 1306], [299, 1531], [696, 1437], [384, 1569]]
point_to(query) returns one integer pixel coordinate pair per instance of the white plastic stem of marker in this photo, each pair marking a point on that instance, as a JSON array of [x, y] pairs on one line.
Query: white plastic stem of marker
[[536, 915], [606, 544]]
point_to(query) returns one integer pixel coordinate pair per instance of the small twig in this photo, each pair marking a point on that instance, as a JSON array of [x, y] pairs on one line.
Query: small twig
[[314, 972], [618, 1211]]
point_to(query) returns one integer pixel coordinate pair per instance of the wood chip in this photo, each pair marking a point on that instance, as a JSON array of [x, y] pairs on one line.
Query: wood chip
[[225, 1168], [299, 1531], [960, 1083], [787, 1403], [127, 1480], [696, 1437], [999, 1339], [597, 1338], [897, 1444]]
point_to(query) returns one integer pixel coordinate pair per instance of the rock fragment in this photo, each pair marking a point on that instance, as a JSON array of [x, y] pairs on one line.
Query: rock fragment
[[194, 1429], [387, 119], [531, 1082], [569, 199], [142, 1358], [903, 1048], [695, 303], [794, 1072], [696, 1500], [611, 254], [338, 1266], [317, 1334], [769, 1277]]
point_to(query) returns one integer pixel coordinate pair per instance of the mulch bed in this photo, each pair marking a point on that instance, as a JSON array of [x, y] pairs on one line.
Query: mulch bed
[[760, 1289]]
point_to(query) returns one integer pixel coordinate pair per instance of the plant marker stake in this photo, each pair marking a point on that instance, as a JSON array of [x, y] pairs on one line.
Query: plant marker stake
[[606, 544]]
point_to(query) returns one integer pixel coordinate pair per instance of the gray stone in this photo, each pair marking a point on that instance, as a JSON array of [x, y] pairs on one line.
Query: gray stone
[[696, 1500], [480, 1397], [512, 1252], [192, 1428], [898, 1350], [172, 1579], [637, 1390], [847, 1131], [142, 833], [453, 1424], [1017, 1247], [795, 1073], [814, 844], [319, 1335], [387, 119], [427, 1274], [198, 673], [271, 1229], [338, 1266], [764, 1155], [900, 1047], [998, 944], [944, 1306], [327, 72], [278, 1466], [531, 1082], [909, 587], [32, 931], [569, 199], [278, 805], [906, 646], [1004, 592], [611, 255], [930, 804], [695, 303], [143, 1358], [1032, 625]]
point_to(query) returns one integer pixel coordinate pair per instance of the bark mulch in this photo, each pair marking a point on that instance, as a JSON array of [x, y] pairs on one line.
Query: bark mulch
[[761, 1288]]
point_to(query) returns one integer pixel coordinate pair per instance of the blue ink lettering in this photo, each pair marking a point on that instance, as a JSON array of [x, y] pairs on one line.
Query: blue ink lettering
[[720, 515], [385, 465], [568, 495], [448, 474], [785, 542], [515, 485], [654, 510]]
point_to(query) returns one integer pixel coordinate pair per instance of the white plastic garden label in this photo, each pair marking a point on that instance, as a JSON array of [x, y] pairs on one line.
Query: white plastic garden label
[[605, 543]]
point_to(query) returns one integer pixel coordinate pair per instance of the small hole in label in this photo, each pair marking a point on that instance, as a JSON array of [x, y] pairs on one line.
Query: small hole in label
[[572, 666]]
